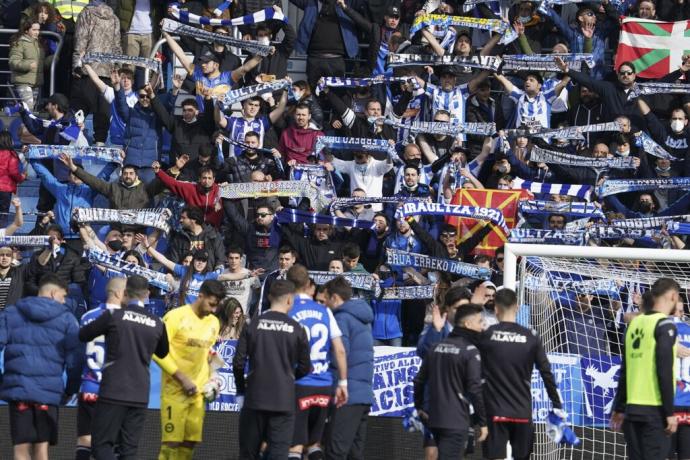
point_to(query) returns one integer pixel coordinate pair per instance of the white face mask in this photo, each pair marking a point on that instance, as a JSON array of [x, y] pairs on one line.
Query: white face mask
[[677, 126], [624, 153], [298, 94], [525, 19], [264, 41]]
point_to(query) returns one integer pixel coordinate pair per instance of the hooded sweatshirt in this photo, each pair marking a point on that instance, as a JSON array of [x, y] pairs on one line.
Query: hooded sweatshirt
[[354, 319], [40, 338], [194, 195], [297, 143], [97, 31]]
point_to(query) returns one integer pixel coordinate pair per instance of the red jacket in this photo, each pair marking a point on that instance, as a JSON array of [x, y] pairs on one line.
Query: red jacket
[[192, 194], [297, 144], [9, 171]]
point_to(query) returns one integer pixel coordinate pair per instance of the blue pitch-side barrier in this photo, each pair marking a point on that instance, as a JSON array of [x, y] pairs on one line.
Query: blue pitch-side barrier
[[587, 384]]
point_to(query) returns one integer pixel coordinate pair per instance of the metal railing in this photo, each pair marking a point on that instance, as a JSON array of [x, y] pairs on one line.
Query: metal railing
[[56, 56]]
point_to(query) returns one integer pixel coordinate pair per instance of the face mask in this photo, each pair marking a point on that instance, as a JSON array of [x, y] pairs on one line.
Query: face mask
[[361, 168], [677, 126], [115, 245], [416, 162], [645, 207], [193, 120], [624, 153], [525, 19], [264, 41], [502, 169], [297, 94], [503, 187], [663, 170]]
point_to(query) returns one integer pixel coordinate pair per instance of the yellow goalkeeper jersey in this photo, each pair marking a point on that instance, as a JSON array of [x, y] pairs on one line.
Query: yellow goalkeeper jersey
[[191, 339]]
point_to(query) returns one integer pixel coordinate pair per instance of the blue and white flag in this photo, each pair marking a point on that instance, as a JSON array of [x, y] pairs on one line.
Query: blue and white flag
[[600, 375], [494, 25], [318, 176], [615, 186], [392, 385], [157, 218], [576, 190], [106, 154], [226, 401], [354, 144], [266, 14], [493, 215], [649, 145], [411, 259]]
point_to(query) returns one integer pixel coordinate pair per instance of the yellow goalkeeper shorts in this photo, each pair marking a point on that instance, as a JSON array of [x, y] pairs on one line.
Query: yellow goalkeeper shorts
[[182, 420]]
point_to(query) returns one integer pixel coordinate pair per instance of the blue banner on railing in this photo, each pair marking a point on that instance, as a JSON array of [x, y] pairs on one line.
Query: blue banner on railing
[[587, 385]]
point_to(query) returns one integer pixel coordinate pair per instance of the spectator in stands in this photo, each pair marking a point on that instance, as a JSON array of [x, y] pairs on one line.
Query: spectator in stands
[[354, 317], [446, 247], [302, 95], [250, 119], [252, 159], [277, 63], [196, 235], [386, 328], [287, 257], [317, 251], [27, 62], [582, 324], [12, 278], [127, 193], [205, 194], [121, 78], [190, 132], [139, 20], [58, 259], [39, 337], [97, 31], [326, 35], [357, 125], [298, 140], [675, 137], [11, 175], [411, 186], [71, 195], [261, 238], [364, 171]]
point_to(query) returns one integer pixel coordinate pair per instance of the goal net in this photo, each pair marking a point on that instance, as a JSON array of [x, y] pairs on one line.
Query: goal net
[[578, 299]]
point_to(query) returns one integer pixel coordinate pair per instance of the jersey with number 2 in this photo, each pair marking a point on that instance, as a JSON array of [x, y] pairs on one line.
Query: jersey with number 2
[[321, 328]]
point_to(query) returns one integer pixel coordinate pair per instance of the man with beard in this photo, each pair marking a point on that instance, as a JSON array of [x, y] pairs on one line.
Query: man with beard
[[127, 193], [250, 119], [412, 155], [412, 186], [195, 235], [317, 251], [587, 112], [297, 141], [12, 278], [205, 194], [446, 247], [675, 137], [261, 237], [287, 257]]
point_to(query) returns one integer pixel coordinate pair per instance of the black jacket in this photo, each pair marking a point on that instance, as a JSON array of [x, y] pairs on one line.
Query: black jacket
[[315, 255], [261, 245], [132, 335], [453, 374], [278, 351], [187, 138], [374, 31], [277, 63], [18, 275], [67, 266], [438, 249], [209, 239]]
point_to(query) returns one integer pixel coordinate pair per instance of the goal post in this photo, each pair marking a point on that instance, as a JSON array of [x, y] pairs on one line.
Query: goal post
[[578, 299]]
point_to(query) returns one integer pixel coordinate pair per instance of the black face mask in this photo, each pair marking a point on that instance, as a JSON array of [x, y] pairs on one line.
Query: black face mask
[[385, 274], [115, 245], [645, 207], [415, 162]]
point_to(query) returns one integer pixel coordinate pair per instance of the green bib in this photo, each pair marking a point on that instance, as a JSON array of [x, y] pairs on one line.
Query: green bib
[[640, 361]]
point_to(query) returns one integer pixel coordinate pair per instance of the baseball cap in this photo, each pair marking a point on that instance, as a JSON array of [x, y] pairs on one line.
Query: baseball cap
[[392, 12], [200, 255], [208, 56]]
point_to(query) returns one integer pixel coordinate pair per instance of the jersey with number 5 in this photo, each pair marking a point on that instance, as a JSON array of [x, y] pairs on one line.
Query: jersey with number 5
[[321, 328], [95, 355]]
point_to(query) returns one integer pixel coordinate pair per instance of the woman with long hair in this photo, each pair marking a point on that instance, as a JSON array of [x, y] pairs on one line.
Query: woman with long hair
[[47, 16], [10, 175], [27, 60], [231, 317]]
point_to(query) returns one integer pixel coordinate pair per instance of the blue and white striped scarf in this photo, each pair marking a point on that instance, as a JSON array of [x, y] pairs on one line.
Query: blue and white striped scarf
[[493, 215], [246, 92], [411, 259], [98, 257], [354, 144], [491, 63], [540, 236], [157, 218], [295, 216], [254, 18], [342, 203], [570, 209], [363, 281], [577, 190], [107, 58], [221, 8], [649, 145], [107, 154], [545, 62], [569, 133], [540, 155], [643, 89], [408, 292], [613, 187], [346, 82], [453, 128]]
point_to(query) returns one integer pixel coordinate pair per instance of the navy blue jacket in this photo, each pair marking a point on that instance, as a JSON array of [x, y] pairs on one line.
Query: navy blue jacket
[[40, 338], [306, 27], [141, 133], [354, 319]]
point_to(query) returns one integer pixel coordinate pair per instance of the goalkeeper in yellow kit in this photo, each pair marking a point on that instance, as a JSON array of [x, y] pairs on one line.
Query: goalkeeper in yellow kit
[[192, 331]]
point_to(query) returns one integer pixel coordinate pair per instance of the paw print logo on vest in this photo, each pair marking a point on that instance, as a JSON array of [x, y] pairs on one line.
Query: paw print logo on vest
[[637, 336]]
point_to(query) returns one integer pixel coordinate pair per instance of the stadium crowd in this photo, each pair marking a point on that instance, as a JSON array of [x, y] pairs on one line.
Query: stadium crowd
[[260, 183]]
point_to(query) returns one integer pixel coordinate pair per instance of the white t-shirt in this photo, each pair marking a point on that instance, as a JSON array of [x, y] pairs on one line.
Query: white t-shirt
[[141, 21], [242, 290], [131, 97], [368, 177]]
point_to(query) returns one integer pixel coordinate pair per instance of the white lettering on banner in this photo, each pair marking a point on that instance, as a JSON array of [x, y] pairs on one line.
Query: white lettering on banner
[[394, 370], [139, 318]]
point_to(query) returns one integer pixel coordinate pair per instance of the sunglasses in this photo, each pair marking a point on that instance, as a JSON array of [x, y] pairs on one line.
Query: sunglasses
[[263, 214], [144, 96], [448, 235], [626, 72]]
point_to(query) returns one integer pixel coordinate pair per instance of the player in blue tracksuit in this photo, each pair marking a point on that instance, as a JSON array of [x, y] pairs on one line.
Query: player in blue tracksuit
[[680, 442], [314, 391], [91, 375]]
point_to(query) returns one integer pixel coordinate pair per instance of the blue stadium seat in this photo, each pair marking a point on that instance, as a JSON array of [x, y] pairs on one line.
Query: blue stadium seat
[[14, 131]]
